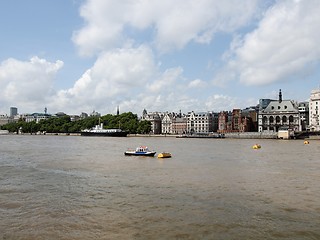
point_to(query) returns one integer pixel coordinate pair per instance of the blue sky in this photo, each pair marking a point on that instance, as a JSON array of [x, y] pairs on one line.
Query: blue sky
[[208, 55]]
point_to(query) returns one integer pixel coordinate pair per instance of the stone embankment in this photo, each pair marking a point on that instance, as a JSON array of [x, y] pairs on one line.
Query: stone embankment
[[252, 135]]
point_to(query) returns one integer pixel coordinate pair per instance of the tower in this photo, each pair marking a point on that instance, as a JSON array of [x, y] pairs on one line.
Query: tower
[[280, 96], [13, 111]]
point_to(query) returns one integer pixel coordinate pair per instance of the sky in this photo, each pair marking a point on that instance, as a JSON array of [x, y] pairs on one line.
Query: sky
[[77, 56]]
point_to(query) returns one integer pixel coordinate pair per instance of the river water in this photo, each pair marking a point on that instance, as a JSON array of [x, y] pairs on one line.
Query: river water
[[71, 187]]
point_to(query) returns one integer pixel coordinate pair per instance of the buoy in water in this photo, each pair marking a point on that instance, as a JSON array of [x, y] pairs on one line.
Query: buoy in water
[[306, 142], [256, 146]]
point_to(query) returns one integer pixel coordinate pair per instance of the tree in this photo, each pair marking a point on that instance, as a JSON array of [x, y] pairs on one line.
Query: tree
[[126, 121]]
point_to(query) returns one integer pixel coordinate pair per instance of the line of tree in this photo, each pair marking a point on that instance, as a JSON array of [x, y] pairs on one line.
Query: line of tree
[[126, 121]]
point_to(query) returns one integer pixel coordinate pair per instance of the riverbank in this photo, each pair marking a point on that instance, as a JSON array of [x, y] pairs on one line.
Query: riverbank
[[243, 135]]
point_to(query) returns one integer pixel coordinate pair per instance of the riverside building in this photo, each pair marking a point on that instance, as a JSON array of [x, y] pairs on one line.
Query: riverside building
[[278, 114], [200, 123], [314, 114]]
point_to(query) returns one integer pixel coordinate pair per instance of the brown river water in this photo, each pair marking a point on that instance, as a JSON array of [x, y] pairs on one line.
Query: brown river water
[[72, 187]]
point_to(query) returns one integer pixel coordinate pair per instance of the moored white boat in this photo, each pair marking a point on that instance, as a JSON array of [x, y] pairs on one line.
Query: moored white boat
[[140, 151], [98, 130]]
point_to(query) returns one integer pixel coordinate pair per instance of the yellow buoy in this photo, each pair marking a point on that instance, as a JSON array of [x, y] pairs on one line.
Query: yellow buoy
[[164, 155], [306, 142], [256, 146]]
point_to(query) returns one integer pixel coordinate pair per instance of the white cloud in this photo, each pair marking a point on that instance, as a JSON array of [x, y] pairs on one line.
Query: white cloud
[[117, 74], [219, 102], [167, 81], [284, 46], [197, 83], [27, 83], [173, 23]]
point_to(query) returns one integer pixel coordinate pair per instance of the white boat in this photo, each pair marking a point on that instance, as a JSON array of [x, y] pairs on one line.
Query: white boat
[[140, 151], [98, 130]]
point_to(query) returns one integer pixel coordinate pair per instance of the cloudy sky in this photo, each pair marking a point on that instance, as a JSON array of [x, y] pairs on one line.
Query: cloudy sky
[[206, 55]]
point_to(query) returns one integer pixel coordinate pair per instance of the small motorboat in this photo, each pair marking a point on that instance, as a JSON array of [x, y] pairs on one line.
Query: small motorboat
[[164, 155], [256, 146], [140, 151]]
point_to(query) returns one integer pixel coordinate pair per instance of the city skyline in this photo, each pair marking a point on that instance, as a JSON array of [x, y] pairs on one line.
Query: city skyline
[[83, 55]]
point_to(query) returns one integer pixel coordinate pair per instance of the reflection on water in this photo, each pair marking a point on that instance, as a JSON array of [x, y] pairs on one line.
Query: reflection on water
[[55, 187]]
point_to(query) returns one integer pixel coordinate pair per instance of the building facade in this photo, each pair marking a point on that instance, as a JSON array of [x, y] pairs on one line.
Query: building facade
[[13, 111], [35, 117], [199, 123], [223, 122], [279, 114], [155, 119], [314, 113], [166, 123], [179, 124], [4, 119], [304, 115]]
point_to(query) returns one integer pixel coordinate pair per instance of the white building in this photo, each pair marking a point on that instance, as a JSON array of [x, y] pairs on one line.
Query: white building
[[199, 123], [35, 117], [4, 119], [314, 114], [155, 119], [304, 115], [279, 114], [166, 123]]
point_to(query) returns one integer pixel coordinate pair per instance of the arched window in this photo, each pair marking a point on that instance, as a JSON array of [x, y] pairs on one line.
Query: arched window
[[271, 119], [264, 120], [284, 119], [291, 119], [277, 119]]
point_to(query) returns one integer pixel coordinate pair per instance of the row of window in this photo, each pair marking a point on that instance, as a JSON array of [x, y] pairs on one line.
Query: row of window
[[279, 107], [277, 119]]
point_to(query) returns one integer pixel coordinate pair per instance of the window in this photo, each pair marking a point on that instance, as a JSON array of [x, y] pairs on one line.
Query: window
[[264, 120], [285, 107], [284, 119], [278, 107], [272, 107], [271, 119], [291, 119]]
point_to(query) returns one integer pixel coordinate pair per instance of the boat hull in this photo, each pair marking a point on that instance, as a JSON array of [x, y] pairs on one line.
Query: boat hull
[[145, 154], [104, 134]]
